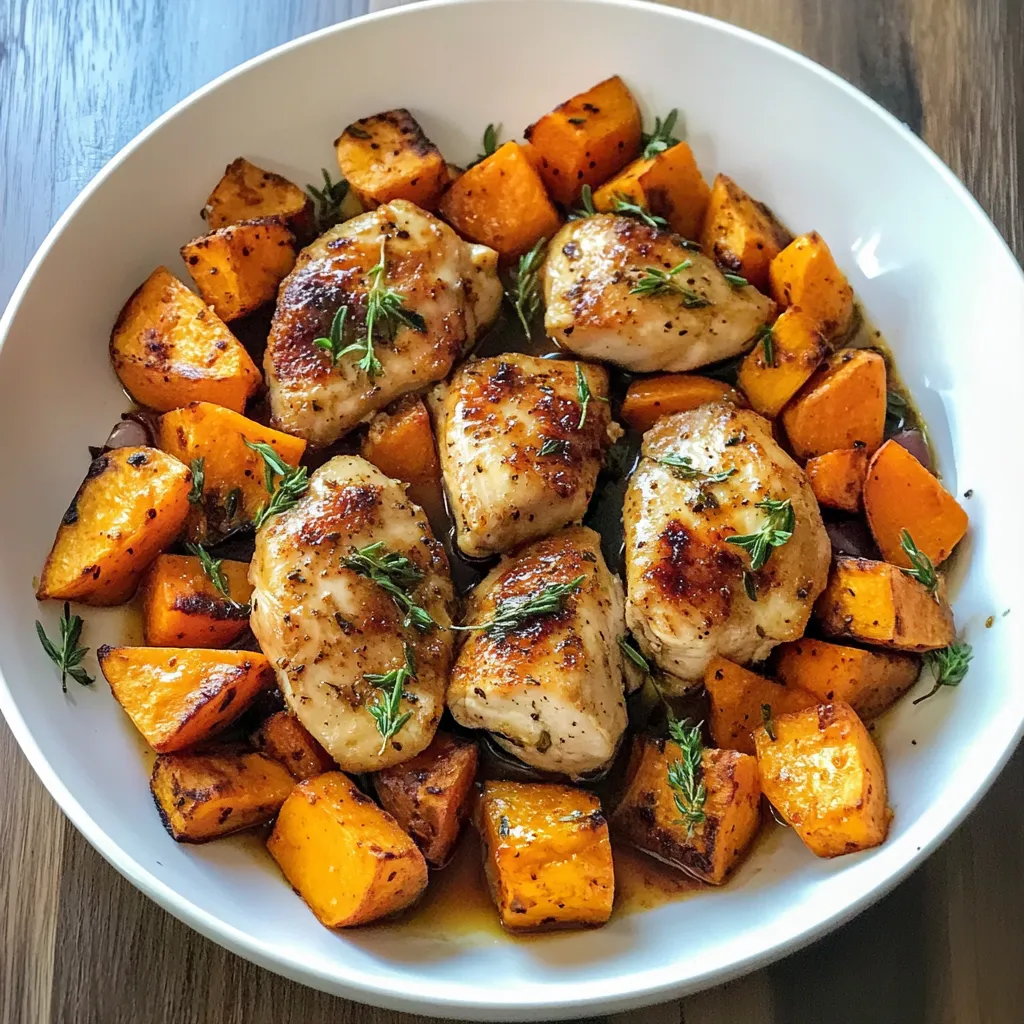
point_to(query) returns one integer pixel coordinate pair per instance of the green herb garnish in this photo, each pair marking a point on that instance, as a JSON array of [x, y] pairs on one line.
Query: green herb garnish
[[327, 201], [766, 336], [631, 651], [584, 395], [286, 492], [69, 655], [750, 584], [514, 612], [554, 446], [686, 775], [490, 140], [922, 568], [769, 722], [661, 138], [587, 201], [627, 208], [683, 468], [198, 468], [397, 576], [655, 281], [386, 707], [736, 280], [776, 529], [212, 567], [334, 343], [949, 666], [524, 294]]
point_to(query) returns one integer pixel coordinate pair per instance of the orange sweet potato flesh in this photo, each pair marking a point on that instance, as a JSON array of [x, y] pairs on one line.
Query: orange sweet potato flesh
[[182, 608], [797, 349], [587, 139], [737, 696], [169, 348], [132, 504], [348, 859], [900, 494], [387, 157], [284, 738], [647, 816], [823, 773], [869, 681], [400, 443], [805, 274], [237, 269], [742, 234], [430, 795], [841, 406], [205, 796], [837, 478], [650, 398], [501, 202], [177, 697], [547, 855], [234, 485], [248, 192], [876, 603]]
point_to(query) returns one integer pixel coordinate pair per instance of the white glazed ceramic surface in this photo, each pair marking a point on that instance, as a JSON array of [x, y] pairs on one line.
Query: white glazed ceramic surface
[[930, 269]]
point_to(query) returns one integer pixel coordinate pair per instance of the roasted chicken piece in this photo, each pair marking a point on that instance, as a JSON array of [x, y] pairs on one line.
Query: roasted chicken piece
[[691, 594], [448, 292], [549, 686], [337, 637], [520, 457], [620, 291]]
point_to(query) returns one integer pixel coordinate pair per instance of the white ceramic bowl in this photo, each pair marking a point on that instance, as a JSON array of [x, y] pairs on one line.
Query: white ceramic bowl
[[930, 269]]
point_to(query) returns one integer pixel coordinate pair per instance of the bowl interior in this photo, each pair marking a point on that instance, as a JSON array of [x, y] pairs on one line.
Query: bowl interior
[[931, 272]]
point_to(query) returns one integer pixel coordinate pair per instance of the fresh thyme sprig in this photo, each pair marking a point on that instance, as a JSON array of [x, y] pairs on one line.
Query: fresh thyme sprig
[[387, 706], [736, 280], [776, 529], [514, 612], [524, 293], [683, 468], [334, 343], [655, 281], [287, 491], [661, 138], [922, 568], [584, 395], [768, 721], [554, 446], [327, 201], [69, 655], [766, 336], [198, 468], [490, 140], [586, 207], [686, 775], [631, 651], [212, 567], [397, 576], [949, 666], [625, 206]]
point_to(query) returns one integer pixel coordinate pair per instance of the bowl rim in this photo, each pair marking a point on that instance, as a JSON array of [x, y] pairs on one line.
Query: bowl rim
[[649, 987]]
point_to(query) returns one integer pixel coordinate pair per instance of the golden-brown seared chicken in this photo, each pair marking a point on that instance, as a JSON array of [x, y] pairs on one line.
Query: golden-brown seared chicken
[[326, 626], [550, 689], [691, 595], [693, 317], [451, 284], [517, 462]]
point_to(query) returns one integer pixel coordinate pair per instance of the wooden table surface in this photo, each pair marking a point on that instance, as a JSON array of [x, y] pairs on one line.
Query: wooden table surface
[[77, 943]]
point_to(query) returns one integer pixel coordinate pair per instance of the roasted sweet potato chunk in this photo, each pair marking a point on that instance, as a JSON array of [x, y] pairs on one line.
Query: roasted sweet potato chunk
[[737, 697], [900, 494], [176, 696], [348, 859], [877, 603], [824, 775], [429, 796], [387, 157], [587, 139], [169, 348], [650, 398], [805, 274], [237, 269], [132, 504], [547, 855], [869, 681], [400, 443], [247, 192], [181, 607], [647, 816], [284, 738], [837, 478], [501, 202], [205, 796]]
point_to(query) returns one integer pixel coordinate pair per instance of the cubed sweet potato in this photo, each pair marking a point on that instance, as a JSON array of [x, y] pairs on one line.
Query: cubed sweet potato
[[400, 443], [837, 478], [237, 269], [169, 348], [547, 855], [247, 192], [234, 481], [177, 696], [586, 139], [796, 348], [205, 796], [742, 235], [387, 157], [501, 202], [132, 504], [348, 859], [284, 738], [650, 398], [737, 697], [869, 681], [430, 795], [877, 603], [647, 816], [805, 274], [841, 406], [823, 773], [181, 607], [900, 494]]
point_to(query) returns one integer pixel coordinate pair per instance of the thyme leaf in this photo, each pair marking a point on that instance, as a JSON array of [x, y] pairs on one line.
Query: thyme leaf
[[334, 343], [584, 395], [327, 201], [661, 138], [67, 654], [656, 281], [554, 446], [387, 705], [286, 492], [686, 775], [514, 612], [628, 646], [775, 531], [949, 666], [524, 294], [397, 576], [766, 336], [922, 568], [212, 567], [198, 468]]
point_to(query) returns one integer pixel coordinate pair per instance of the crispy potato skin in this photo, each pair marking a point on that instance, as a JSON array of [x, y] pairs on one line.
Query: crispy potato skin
[[247, 192], [348, 859], [132, 503], [805, 274], [824, 775], [284, 738], [547, 855], [430, 795], [205, 796]]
